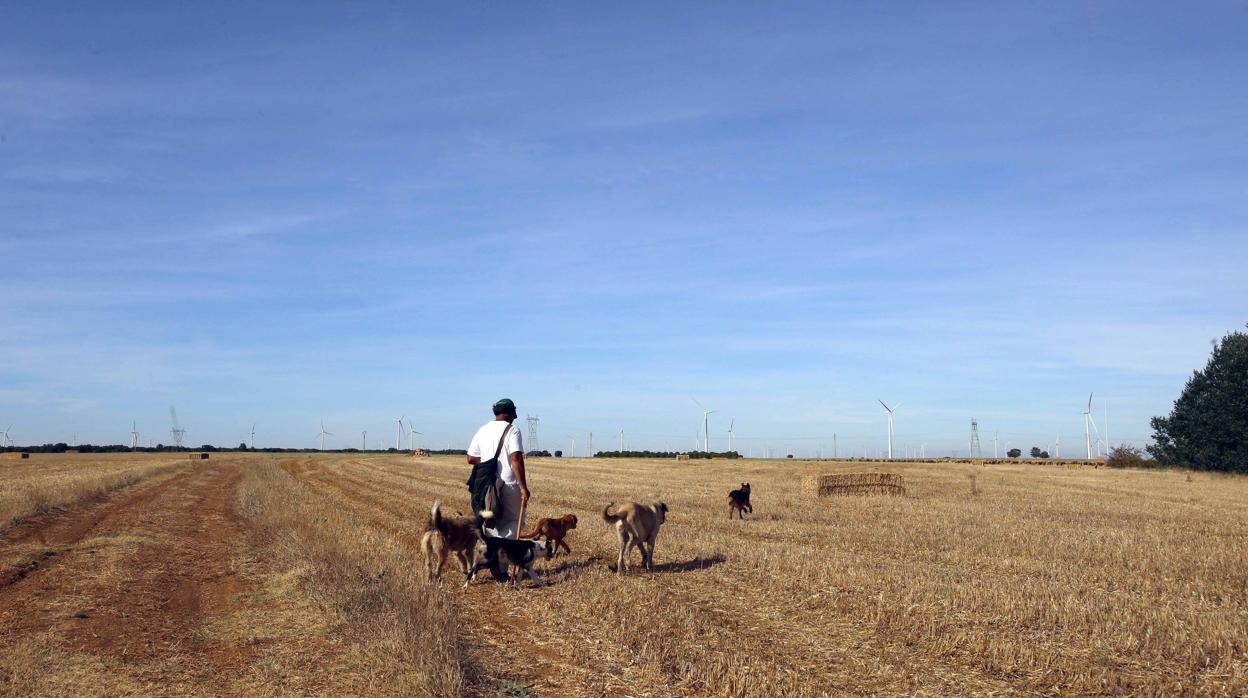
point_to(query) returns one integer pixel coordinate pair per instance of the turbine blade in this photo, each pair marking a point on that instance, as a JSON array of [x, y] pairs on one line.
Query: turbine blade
[[882, 403]]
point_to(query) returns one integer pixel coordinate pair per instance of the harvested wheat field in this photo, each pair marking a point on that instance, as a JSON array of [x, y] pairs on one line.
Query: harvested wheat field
[[265, 575]]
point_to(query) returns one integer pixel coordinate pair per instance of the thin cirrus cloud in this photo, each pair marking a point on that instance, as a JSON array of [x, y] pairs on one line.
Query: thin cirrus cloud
[[978, 211]]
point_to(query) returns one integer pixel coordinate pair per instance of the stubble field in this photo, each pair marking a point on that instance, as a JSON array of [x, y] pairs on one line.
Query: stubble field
[[256, 574]]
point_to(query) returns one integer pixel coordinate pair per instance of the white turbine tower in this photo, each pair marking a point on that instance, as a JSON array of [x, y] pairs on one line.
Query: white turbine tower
[[323, 434], [732, 423], [1107, 444], [706, 432], [573, 451], [398, 433], [253, 435], [1089, 425], [134, 436], [364, 439], [890, 411], [621, 440]]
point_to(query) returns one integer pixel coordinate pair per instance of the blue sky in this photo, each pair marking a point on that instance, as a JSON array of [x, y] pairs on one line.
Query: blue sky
[[281, 214]]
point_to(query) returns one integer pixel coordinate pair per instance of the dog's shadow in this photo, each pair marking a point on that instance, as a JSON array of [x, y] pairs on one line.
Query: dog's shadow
[[572, 566], [697, 563]]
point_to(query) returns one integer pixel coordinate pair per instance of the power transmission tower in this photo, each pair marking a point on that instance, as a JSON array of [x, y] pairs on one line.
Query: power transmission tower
[[532, 420], [975, 451], [177, 432]]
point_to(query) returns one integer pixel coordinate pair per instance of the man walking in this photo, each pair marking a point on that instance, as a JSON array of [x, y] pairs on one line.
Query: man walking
[[513, 488]]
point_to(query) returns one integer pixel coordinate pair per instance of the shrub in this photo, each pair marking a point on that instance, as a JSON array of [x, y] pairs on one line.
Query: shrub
[[1126, 456]]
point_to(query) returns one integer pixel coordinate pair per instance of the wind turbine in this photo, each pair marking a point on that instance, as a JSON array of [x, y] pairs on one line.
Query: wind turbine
[[323, 434], [413, 434], [1107, 446], [732, 423], [573, 451], [706, 434], [398, 433], [621, 440], [253, 435], [890, 411], [1087, 434], [7, 440], [134, 436]]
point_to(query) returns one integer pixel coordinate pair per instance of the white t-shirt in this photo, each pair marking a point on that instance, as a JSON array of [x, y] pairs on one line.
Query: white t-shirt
[[486, 440]]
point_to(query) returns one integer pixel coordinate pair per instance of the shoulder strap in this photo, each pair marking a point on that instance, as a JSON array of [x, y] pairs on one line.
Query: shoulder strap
[[500, 442]]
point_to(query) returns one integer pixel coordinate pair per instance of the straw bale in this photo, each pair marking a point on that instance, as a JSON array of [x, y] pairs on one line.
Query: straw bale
[[850, 484]]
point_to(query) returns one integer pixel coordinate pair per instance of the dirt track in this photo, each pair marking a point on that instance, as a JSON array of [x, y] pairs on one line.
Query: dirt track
[[130, 580]]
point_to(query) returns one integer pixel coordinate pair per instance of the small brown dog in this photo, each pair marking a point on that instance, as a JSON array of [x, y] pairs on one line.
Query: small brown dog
[[554, 530], [444, 536], [739, 501]]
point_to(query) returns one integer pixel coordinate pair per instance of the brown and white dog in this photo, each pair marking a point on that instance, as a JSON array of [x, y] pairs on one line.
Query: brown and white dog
[[739, 501], [444, 536], [554, 531], [637, 526]]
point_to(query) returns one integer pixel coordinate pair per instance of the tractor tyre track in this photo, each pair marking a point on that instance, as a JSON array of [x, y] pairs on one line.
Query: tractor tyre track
[[141, 574]]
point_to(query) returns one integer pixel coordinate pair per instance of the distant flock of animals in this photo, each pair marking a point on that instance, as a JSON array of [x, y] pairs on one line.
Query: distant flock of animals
[[637, 526]]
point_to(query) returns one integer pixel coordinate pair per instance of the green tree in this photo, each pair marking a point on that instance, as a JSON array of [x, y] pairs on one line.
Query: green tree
[[1208, 427], [1014, 453], [1035, 451]]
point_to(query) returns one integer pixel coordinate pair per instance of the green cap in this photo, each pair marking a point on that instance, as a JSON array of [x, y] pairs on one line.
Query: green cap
[[504, 405]]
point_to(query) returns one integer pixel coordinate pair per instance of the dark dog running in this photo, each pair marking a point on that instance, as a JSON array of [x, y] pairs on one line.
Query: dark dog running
[[739, 501]]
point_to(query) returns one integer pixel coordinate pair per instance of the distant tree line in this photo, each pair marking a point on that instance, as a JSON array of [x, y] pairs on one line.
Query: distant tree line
[[665, 454], [161, 448]]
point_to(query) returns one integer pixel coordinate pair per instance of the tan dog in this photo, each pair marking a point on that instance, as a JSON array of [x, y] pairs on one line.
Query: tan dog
[[554, 530], [445, 536], [637, 525]]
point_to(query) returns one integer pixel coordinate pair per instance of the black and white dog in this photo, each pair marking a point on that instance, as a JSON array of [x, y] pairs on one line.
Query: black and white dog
[[519, 554]]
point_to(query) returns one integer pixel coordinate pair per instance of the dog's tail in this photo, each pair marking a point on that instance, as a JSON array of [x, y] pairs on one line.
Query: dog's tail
[[608, 517], [533, 533], [435, 516]]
